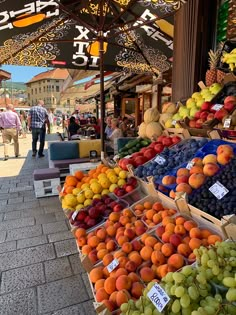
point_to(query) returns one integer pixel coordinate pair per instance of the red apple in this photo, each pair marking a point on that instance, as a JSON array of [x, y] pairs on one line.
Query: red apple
[[220, 114], [91, 222], [230, 99], [81, 215], [129, 188], [210, 116], [140, 160], [118, 208], [121, 192], [94, 213], [204, 115], [167, 141], [175, 139], [199, 123], [159, 148], [160, 138], [150, 153], [197, 114], [206, 106], [229, 106], [132, 181], [192, 123]]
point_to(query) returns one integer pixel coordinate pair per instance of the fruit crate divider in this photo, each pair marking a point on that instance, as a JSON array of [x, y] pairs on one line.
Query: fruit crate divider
[[229, 226], [182, 132]]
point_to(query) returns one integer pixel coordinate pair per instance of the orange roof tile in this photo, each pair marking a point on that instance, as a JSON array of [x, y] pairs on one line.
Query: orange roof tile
[[57, 74]]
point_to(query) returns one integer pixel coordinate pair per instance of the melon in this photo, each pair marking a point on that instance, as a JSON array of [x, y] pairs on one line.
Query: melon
[[142, 130], [150, 115], [153, 130], [169, 108], [164, 118]]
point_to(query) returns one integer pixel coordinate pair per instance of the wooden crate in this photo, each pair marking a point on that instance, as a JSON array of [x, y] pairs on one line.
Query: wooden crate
[[181, 132], [229, 226]]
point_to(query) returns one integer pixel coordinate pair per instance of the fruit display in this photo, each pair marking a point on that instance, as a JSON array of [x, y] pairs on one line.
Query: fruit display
[[131, 184], [81, 189], [133, 146], [171, 158], [204, 289], [148, 153], [230, 59]]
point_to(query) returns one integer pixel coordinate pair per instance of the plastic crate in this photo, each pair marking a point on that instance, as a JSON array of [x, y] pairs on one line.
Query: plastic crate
[[46, 187]]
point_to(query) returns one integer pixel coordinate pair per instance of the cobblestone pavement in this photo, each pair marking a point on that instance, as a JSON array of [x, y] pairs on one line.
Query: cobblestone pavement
[[40, 270]]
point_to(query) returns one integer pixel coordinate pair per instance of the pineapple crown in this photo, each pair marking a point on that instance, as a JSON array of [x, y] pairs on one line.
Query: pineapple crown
[[214, 56]]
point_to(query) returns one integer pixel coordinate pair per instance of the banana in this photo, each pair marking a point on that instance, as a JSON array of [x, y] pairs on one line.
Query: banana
[[233, 51], [232, 66]]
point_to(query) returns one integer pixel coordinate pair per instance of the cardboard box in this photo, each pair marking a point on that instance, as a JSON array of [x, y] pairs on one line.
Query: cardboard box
[[85, 146]]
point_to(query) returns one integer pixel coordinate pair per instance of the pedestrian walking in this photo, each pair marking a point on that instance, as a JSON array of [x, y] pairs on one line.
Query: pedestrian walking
[[11, 127], [51, 119], [23, 120], [37, 121]]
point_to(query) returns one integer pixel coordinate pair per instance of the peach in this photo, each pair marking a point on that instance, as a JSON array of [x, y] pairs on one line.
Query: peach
[[156, 218], [170, 227], [86, 249], [101, 246], [224, 148], [133, 276], [175, 239], [114, 216], [81, 241], [112, 297], [137, 289], [184, 249], [160, 230], [122, 261], [140, 230], [195, 233], [166, 236], [101, 295], [130, 233], [157, 257], [111, 306], [143, 237], [184, 188], [186, 240], [162, 271], [205, 233], [147, 205], [172, 194], [212, 239], [176, 261], [96, 274], [123, 282], [147, 274], [101, 253], [188, 225], [209, 158], [167, 249], [130, 266], [146, 252], [110, 285], [127, 213], [180, 220], [158, 246], [136, 245], [127, 247], [121, 272], [124, 220], [182, 172], [194, 243], [179, 229], [182, 179], [99, 284], [122, 296], [122, 239], [210, 169], [135, 256], [107, 259], [168, 180], [111, 245], [192, 257], [157, 206], [196, 180], [150, 241], [93, 256], [111, 230], [167, 220], [150, 213], [224, 158], [197, 161], [196, 169]]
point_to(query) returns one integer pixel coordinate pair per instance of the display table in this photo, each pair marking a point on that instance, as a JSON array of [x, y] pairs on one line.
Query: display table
[[83, 167]]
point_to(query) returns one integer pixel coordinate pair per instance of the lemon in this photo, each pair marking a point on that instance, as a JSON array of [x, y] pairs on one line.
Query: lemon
[[113, 179], [76, 191], [100, 176], [123, 174], [110, 171], [81, 198], [117, 170], [113, 187], [88, 202], [105, 192], [93, 180], [84, 186], [70, 200], [96, 188], [79, 206], [105, 183], [97, 196], [88, 194], [121, 182]]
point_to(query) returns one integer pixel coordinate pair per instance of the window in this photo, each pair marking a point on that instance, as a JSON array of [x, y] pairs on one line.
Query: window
[[57, 81], [32, 91], [48, 80], [49, 88], [28, 95], [35, 90], [57, 88], [44, 89], [40, 90], [52, 88]]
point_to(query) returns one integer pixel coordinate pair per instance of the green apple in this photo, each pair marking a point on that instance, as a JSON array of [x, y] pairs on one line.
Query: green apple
[[177, 116], [196, 95], [180, 110], [193, 111], [200, 102], [205, 91], [185, 113], [209, 97], [215, 88], [190, 103]]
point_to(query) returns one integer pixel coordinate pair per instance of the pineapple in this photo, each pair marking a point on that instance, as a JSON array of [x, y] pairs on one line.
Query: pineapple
[[211, 75]]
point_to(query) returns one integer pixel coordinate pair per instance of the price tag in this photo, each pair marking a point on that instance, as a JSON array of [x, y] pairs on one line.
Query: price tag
[[158, 297], [174, 122], [127, 156], [218, 190], [116, 157], [74, 214], [217, 107], [227, 122], [160, 160], [113, 265], [190, 165]]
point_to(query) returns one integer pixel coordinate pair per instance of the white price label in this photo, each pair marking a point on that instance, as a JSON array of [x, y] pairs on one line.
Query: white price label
[[158, 297], [218, 190], [116, 157], [75, 214], [190, 165], [160, 160], [227, 122], [217, 107], [113, 265], [127, 156], [174, 122]]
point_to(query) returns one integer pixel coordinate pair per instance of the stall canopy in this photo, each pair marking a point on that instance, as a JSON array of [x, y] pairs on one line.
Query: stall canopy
[[135, 35]]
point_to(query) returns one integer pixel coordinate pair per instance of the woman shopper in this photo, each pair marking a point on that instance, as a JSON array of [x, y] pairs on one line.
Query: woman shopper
[[23, 120], [116, 133]]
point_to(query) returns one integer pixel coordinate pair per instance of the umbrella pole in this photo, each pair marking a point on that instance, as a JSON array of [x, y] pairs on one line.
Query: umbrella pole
[[102, 96]]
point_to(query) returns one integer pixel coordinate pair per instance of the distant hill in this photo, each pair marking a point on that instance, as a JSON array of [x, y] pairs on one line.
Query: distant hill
[[15, 85]]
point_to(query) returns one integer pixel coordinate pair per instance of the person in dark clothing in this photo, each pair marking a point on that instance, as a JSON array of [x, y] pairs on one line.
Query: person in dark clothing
[[73, 128]]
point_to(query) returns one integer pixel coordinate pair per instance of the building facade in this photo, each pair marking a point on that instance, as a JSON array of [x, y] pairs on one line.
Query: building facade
[[48, 86]]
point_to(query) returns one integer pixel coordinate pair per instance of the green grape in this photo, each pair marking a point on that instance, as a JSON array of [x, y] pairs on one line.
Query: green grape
[[203, 292], [229, 282], [230, 309], [203, 303], [215, 270], [185, 300], [196, 313], [193, 292], [147, 311], [220, 277], [211, 263], [136, 313], [187, 271], [178, 277], [212, 254], [210, 310], [201, 279], [124, 307], [138, 303], [233, 253], [186, 310], [150, 285], [145, 292], [228, 268], [231, 295], [175, 307], [204, 259], [202, 311], [218, 298], [169, 277], [173, 288], [156, 312], [209, 274], [180, 291], [220, 251], [189, 280]]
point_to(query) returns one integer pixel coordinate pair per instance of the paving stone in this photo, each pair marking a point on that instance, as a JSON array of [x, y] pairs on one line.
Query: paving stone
[[32, 212], [18, 303], [22, 278], [57, 269], [66, 247], [45, 218], [29, 198], [54, 201], [61, 293], [3, 235], [15, 200], [76, 264], [51, 209], [49, 228], [78, 309], [24, 205], [12, 215], [87, 285], [26, 256], [33, 241], [21, 188], [28, 193], [3, 202], [1, 217], [60, 236], [60, 216], [7, 247], [14, 224], [25, 232]]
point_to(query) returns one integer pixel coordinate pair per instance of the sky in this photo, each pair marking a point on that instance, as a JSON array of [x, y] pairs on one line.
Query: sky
[[23, 73]]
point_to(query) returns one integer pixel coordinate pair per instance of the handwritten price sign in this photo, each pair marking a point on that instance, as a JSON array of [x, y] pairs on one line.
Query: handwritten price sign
[[160, 160], [112, 265], [218, 190], [158, 297]]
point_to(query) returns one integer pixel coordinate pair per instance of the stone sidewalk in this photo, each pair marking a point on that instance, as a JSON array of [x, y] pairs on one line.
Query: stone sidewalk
[[40, 270]]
